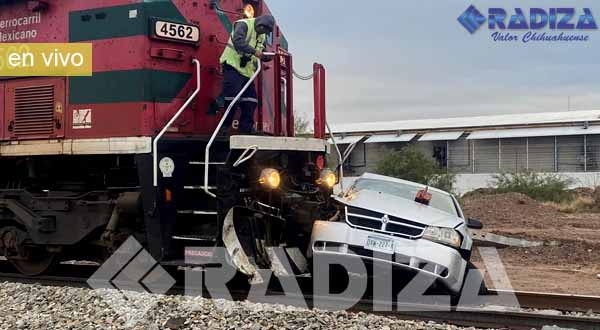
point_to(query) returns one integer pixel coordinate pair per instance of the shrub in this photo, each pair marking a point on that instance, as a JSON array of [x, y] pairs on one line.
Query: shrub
[[445, 181], [541, 187], [412, 165], [579, 204], [302, 126]]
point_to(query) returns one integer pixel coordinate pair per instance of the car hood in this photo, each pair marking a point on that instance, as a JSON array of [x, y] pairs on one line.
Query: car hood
[[401, 208]]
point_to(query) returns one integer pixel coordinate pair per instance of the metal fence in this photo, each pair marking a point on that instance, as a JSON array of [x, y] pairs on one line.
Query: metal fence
[[540, 154], [579, 153]]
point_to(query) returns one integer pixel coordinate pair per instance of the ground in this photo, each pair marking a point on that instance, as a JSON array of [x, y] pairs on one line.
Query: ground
[[569, 260], [35, 307]]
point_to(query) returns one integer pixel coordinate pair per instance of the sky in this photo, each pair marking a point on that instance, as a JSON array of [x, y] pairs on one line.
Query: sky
[[411, 59]]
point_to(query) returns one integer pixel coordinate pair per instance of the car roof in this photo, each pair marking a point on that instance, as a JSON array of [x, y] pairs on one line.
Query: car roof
[[400, 181]]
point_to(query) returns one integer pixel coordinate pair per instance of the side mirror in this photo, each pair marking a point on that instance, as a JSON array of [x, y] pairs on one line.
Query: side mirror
[[474, 224]]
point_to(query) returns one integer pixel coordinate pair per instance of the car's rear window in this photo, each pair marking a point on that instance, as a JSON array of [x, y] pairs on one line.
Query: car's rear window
[[440, 201]]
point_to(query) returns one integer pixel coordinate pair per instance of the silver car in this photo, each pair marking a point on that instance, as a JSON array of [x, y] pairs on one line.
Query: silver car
[[381, 219]]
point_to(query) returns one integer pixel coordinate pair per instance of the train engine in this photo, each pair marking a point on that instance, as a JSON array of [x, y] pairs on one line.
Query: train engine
[[133, 150]]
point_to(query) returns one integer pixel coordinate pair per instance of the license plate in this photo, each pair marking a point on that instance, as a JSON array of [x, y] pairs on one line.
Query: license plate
[[380, 244]]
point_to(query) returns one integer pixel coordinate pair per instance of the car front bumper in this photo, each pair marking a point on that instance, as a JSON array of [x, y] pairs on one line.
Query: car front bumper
[[443, 263]]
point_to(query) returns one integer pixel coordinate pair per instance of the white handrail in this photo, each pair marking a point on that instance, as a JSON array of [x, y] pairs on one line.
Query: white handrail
[[175, 117], [349, 150], [301, 77], [246, 155], [225, 115], [340, 158]]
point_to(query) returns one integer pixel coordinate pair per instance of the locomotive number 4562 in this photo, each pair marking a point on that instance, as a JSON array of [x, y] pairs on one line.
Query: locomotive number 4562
[[176, 31]]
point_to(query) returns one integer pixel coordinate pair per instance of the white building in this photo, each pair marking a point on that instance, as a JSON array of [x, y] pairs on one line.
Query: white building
[[476, 148]]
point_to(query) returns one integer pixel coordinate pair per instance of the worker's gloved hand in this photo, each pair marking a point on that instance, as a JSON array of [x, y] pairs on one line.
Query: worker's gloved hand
[[266, 58]]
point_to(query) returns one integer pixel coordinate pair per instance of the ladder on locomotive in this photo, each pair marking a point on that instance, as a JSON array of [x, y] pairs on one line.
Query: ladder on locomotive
[[210, 164]]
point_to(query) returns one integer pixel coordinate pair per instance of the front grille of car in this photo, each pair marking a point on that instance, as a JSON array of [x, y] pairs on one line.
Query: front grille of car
[[380, 222]]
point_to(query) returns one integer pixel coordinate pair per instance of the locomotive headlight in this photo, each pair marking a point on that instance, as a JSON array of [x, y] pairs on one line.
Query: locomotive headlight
[[270, 178], [249, 11], [327, 179], [446, 236]]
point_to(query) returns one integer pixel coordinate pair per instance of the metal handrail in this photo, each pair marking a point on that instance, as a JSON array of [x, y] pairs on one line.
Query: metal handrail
[[217, 7], [175, 117], [225, 115], [303, 77], [246, 155], [349, 150], [340, 158]]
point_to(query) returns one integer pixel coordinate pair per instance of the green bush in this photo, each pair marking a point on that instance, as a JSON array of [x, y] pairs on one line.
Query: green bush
[[541, 187], [302, 126], [412, 165], [444, 181]]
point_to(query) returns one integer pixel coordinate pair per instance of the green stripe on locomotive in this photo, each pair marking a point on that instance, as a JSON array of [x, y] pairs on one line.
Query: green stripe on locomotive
[[142, 85], [127, 86], [115, 22]]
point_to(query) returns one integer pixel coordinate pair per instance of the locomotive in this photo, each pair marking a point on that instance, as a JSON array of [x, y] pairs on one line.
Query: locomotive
[[133, 150]]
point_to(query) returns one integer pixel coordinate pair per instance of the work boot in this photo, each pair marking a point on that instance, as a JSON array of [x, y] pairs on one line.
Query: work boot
[[250, 132], [223, 132]]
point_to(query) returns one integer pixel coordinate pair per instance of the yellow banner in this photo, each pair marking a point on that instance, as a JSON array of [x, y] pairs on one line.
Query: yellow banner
[[45, 59]]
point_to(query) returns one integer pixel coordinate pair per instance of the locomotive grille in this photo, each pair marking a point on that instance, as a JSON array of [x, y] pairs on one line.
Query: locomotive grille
[[34, 110]]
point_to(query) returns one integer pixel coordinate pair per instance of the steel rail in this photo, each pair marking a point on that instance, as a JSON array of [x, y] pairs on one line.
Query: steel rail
[[502, 319], [555, 301], [65, 275]]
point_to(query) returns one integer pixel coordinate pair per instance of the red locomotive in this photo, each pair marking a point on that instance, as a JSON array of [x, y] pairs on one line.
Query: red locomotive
[[132, 150]]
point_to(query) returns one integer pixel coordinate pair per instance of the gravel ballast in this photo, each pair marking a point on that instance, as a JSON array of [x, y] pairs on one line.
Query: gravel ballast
[[26, 306]]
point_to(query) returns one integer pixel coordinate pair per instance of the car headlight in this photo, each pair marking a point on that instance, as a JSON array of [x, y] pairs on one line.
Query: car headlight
[[446, 236], [327, 179], [270, 178]]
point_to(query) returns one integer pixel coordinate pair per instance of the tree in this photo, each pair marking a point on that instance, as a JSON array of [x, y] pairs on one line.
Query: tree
[[302, 126], [412, 165]]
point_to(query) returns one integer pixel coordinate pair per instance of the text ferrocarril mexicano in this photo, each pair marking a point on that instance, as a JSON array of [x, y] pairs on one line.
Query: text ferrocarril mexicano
[[18, 22]]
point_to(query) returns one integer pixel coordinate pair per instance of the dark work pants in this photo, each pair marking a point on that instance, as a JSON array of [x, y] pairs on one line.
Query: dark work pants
[[233, 83]]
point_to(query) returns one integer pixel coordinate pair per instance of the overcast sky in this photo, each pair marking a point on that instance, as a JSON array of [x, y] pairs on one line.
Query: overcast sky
[[408, 59]]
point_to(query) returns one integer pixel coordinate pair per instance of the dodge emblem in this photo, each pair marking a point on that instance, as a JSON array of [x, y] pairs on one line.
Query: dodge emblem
[[385, 219]]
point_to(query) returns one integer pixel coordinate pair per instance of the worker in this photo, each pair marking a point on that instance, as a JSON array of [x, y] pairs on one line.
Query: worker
[[239, 63]]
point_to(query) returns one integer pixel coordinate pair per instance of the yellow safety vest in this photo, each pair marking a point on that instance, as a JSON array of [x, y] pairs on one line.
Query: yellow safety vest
[[233, 58]]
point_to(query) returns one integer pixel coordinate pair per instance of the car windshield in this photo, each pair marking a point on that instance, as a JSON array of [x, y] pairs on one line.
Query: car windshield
[[440, 201]]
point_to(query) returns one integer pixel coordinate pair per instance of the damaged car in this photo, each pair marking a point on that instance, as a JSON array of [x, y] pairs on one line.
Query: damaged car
[[415, 227]]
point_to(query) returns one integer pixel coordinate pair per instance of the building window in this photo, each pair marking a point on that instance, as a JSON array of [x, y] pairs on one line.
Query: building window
[[436, 150], [487, 154], [570, 153], [593, 153], [541, 154], [460, 156], [440, 154], [513, 155]]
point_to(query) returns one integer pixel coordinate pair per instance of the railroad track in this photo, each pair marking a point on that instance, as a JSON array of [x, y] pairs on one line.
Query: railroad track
[[555, 301], [503, 320], [483, 317]]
